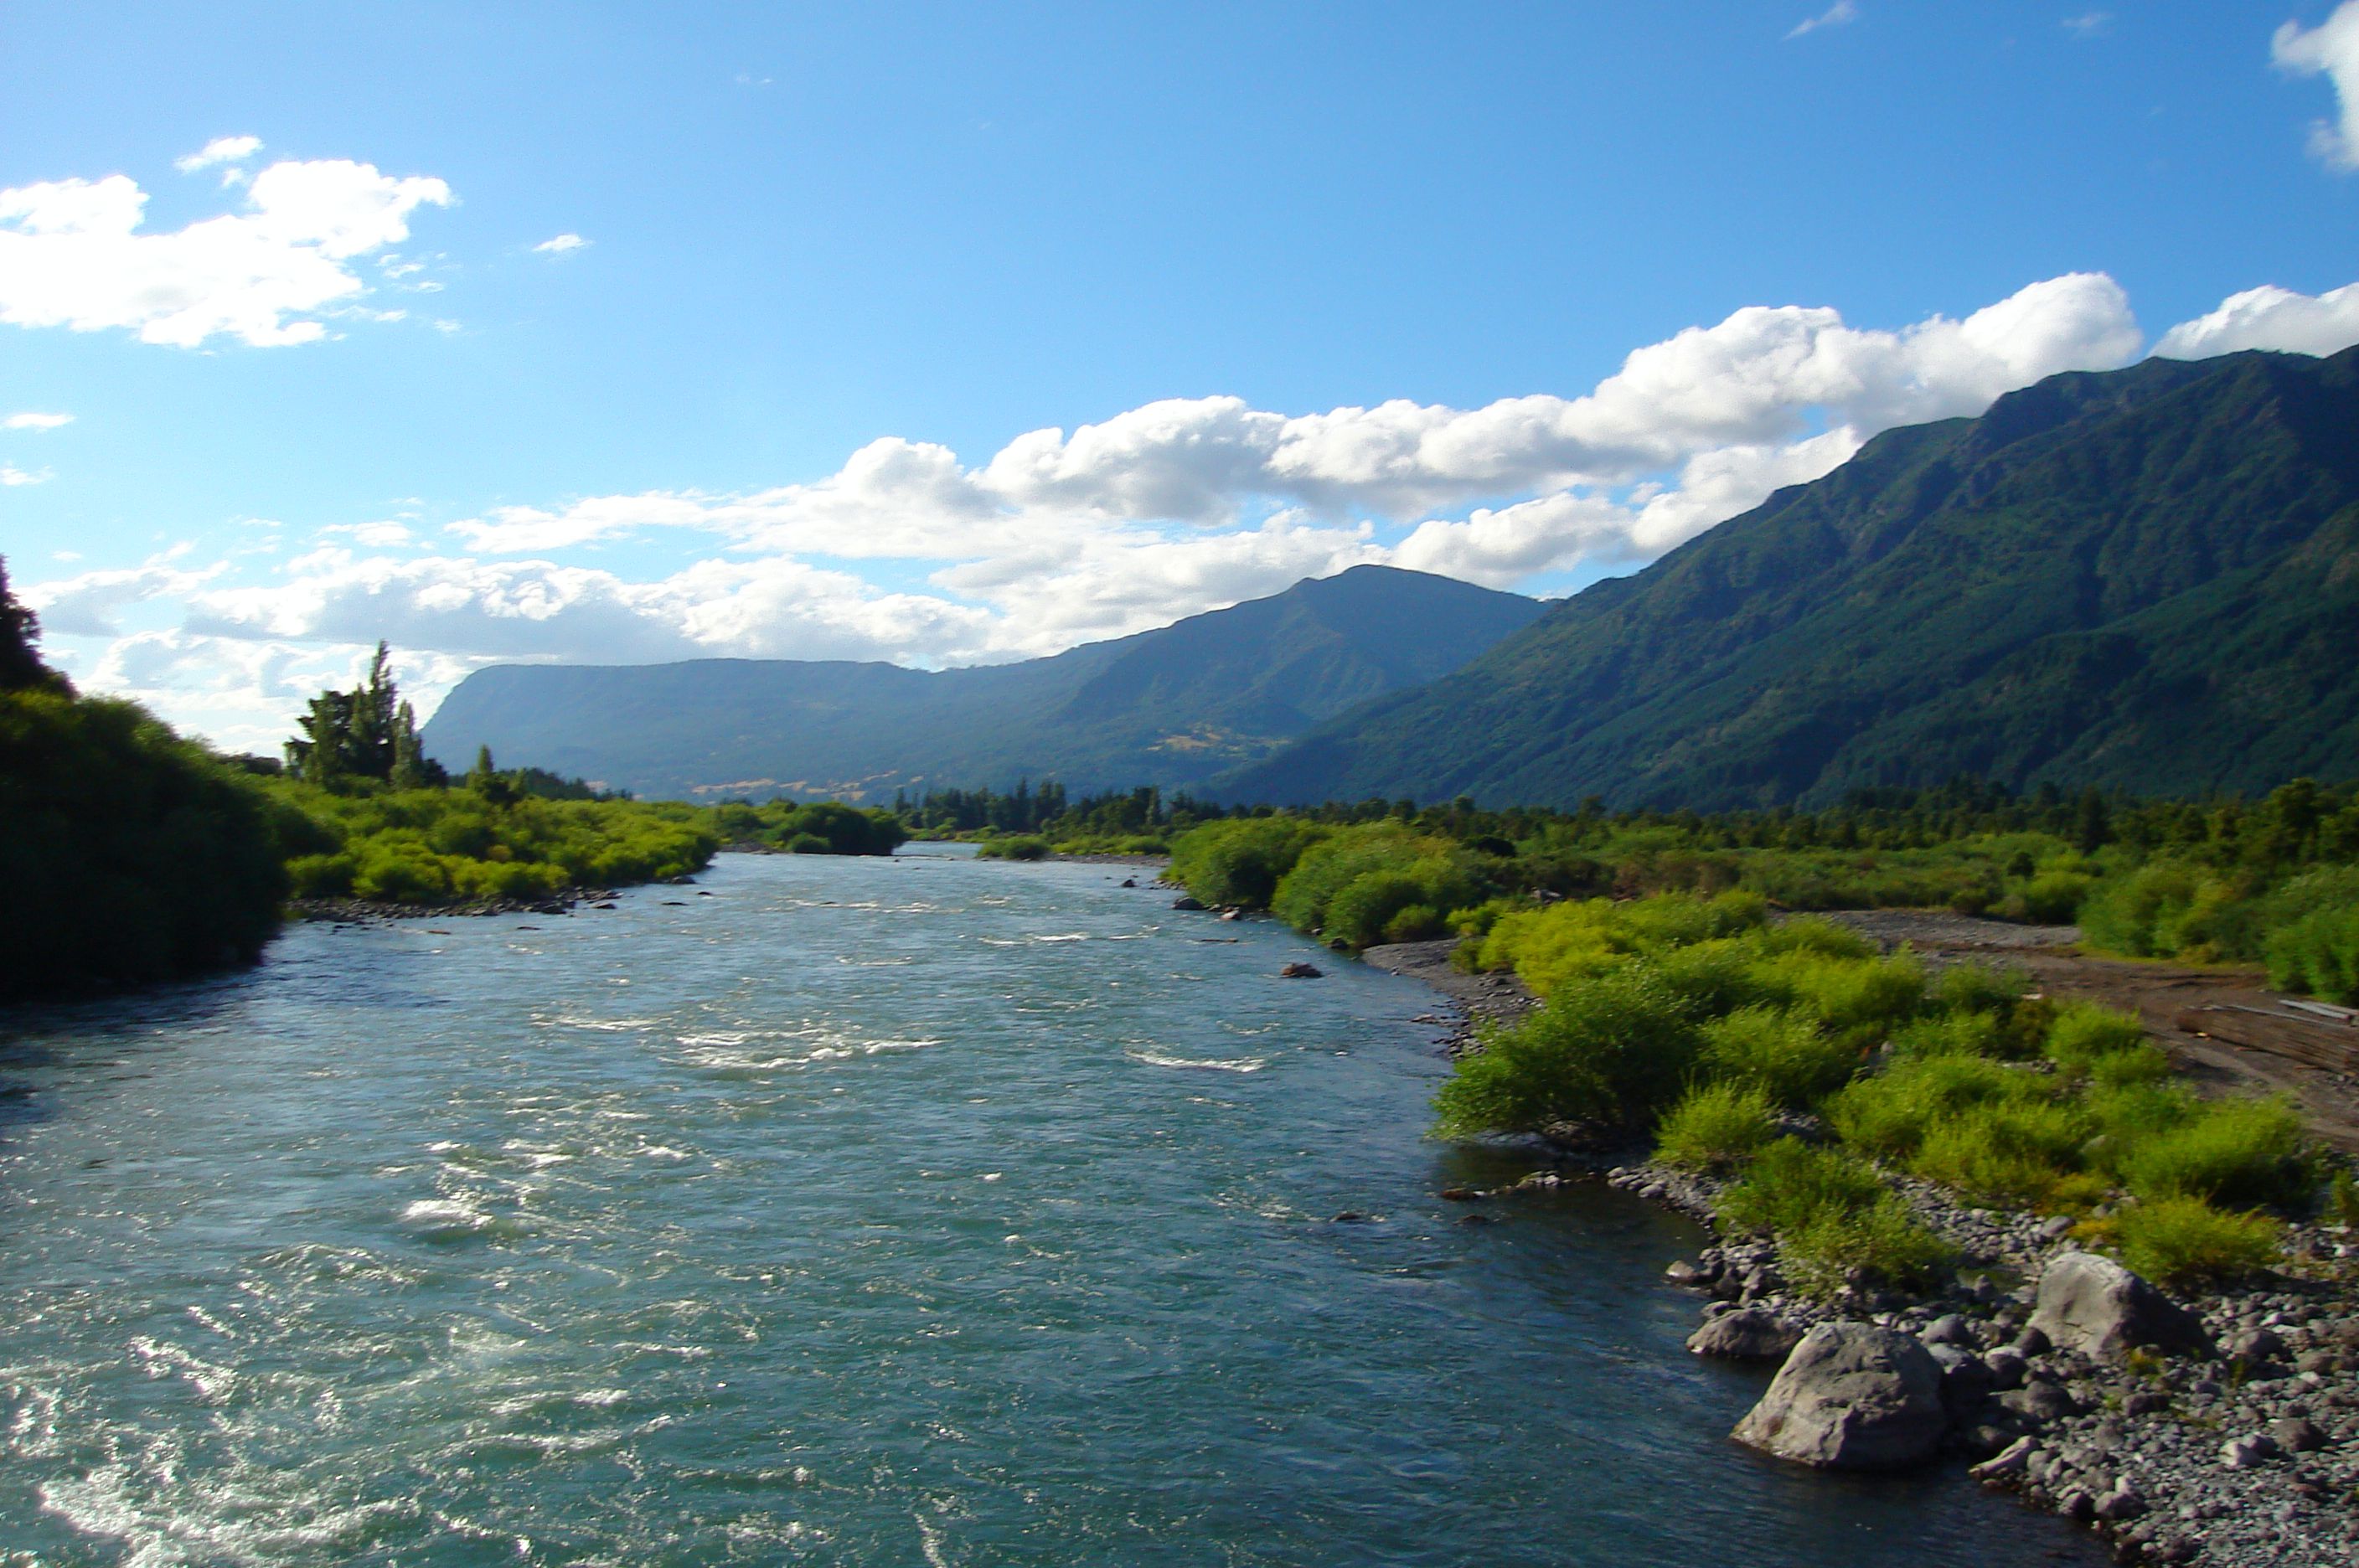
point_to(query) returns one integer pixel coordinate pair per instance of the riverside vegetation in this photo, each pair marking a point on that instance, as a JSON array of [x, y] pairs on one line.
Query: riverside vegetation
[[1803, 1071], [136, 856]]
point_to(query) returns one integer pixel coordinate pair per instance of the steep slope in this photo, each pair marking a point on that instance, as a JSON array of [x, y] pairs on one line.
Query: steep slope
[[2145, 578], [1171, 706]]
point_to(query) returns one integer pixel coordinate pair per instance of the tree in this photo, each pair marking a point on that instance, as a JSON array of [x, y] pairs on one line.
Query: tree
[[366, 733], [21, 668]]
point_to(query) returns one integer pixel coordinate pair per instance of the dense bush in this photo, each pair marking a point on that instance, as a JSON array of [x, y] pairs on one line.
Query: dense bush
[[1616, 1051], [1716, 1126], [2186, 1241], [129, 856], [1023, 846], [1239, 863], [435, 847], [1352, 887], [1835, 1217], [1780, 1052]]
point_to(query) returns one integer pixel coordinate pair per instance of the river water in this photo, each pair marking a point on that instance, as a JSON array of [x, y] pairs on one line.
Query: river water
[[923, 1211]]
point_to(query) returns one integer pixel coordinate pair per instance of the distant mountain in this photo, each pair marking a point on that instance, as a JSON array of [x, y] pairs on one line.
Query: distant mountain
[[1173, 706], [2146, 578]]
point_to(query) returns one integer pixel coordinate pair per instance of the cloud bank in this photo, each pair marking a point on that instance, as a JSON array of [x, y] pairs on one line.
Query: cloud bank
[[2329, 50], [909, 552], [72, 254]]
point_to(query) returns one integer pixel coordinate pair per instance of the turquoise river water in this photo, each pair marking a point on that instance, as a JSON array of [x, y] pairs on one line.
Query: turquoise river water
[[923, 1211]]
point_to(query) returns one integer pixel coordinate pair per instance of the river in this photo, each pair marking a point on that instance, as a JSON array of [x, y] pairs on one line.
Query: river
[[919, 1211]]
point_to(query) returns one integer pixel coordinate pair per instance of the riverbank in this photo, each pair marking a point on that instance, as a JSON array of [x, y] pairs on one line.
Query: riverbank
[[2243, 1452]]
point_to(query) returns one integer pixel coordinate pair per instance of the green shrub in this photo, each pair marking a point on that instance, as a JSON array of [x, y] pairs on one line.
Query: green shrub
[[1416, 922], [1950, 1034], [1976, 988], [1833, 1218], [1614, 1051], [320, 876], [1024, 847], [1809, 933], [1891, 1113], [1239, 862], [2013, 1153], [808, 844], [1859, 1000], [1715, 1126], [2318, 953], [1778, 1051], [1348, 887], [1882, 1244], [2186, 1241], [2237, 1152], [2082, 1032], [2052, 898]]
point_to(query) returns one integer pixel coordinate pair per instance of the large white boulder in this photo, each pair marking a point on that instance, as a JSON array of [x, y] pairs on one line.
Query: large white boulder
[[1852, 1396], [2091, 1304]]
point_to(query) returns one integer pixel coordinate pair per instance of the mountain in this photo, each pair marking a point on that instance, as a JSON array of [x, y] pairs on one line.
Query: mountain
[[2146, 578], [1173, 706]]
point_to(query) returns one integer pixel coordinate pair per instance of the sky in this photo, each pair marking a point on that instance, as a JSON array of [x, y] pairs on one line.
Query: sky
[[946, 334]]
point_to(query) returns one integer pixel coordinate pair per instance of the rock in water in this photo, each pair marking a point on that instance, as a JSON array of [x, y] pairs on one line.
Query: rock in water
[[1852, 1396], [1300, 972], [1745, 1336], [2095, 1306]]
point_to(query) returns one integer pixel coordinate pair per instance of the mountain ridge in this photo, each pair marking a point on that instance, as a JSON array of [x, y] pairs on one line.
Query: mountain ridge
[[1860, 630], [1173, 706]]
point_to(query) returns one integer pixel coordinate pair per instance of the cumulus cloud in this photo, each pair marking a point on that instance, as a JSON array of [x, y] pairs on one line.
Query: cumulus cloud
[[71, 255], [11, 476], [220, 150], [29, 421], [2329, 50], [910, 553], [2270, 318], [2089, 24], [561, 244], [1834, 15]]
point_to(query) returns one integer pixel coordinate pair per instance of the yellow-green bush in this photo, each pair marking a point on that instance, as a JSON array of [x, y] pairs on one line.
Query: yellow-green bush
[[1715, 1126], [2186, 1241], [1780, 1052]]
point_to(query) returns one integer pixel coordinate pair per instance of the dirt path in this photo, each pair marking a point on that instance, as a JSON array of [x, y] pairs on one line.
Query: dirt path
[[2160, 994]]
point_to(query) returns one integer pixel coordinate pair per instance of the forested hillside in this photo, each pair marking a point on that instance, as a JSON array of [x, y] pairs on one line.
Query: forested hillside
[[1169, 707], [2146, 579]]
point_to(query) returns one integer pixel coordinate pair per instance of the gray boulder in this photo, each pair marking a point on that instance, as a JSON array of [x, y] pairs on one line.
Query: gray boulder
[[1745, 1336], [2094, 1305], [1851, 1396]]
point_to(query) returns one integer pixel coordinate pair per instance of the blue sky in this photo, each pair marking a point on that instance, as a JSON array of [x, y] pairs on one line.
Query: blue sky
[[1523, 294]]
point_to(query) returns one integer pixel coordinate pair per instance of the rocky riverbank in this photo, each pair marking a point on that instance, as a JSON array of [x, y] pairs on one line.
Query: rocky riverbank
[[371, 911], [2223, 1433]]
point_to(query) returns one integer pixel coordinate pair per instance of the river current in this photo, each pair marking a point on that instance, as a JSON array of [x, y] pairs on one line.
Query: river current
[[924, 1211]]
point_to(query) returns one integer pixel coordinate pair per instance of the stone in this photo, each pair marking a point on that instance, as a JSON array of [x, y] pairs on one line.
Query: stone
[[1184, 902], [2255, 1344], [1948, 1328], [2298, 1434], [2122, 1503], [2248, 1452], [2008, 1462], [2007, 1367], [1851, 1396], [1682, 1272], [2032, 1342], [1300, 970], [2041, 1399], [1745, 1335], [2091, 1304], [1965, 1380]]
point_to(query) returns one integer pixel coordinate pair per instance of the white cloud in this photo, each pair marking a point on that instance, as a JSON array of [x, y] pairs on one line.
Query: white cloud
[[220, 150], [909, 553], [72, 256], [2332, 49], [1834, 15], [2089, 24], [561, 244], [11, 476], [36, 421], [88, 604], [2270, 318]]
